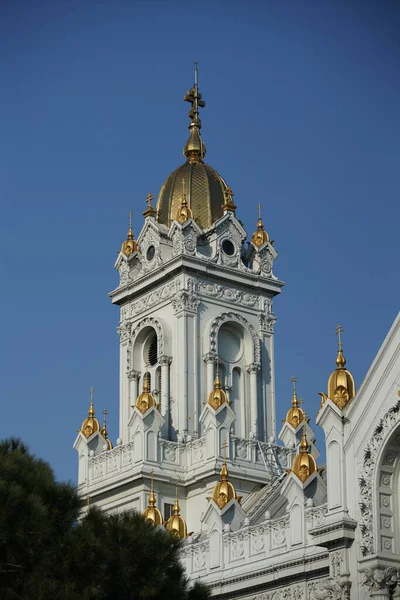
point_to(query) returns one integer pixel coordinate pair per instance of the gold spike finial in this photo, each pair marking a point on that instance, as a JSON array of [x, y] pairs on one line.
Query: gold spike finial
[[176, 523], [129, 246], [150, 211], [152, 513], [146, 399], [260, 236], [223, 490], [304, 463], [184, 212], [217, 396], [103, 430], [295, 414], [91, 407], [90, 425]]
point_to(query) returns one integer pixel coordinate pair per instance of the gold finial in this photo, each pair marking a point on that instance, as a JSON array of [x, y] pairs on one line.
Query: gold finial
[[341, 385], [217, 397], [90, 425], [184, 212], [194, 149], [150, 211], [260, 236], [103, 430], [304, 463], [223, 490], [152, 513], [146, 399], [129, 246], [229, 204], [295, 414], [176, 523]]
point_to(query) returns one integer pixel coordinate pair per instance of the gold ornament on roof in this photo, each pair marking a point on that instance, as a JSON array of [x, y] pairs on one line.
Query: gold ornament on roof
[[224, 491], [129, 246], [260, 236], [176, 523], [341, 385], [217, 397], [194, 149], [295, 415], [146, 399], [152, 513], [304, 463], [90, 425], [229, 204], [104, 431], [184, 212], [150, 211]]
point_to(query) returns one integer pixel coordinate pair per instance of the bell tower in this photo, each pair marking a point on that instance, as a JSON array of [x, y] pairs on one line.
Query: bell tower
[[196, 339]]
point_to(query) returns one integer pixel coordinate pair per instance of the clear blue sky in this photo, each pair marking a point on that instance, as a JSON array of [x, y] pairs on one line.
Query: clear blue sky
[[302, 114]]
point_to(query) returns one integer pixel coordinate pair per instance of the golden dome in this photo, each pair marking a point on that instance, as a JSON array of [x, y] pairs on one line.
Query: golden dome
[[205, 188], [129, 246], [295, 415], [224, 491], [217, 397], [152, 513], [146, 399], [260, 236], [176, 523], [304, 463], [341, 385], [90, 425]]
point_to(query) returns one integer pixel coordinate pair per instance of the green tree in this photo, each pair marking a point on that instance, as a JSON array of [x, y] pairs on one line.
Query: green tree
[[46, 553]]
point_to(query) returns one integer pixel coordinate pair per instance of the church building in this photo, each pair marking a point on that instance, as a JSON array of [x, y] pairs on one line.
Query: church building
[[200, 451]]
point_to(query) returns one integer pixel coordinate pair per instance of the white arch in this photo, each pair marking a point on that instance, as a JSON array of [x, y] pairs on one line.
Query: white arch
[[236, 318]]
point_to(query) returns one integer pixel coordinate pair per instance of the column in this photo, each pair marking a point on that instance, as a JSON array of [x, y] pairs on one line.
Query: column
[[209, 359], [165, 362], [380, 582], [253, 370]]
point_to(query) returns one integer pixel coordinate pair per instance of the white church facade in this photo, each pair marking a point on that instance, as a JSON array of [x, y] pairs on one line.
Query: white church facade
[[199, 449]]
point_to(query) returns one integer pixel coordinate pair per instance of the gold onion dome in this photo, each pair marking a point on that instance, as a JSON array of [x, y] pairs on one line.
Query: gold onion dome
[[260, 236], [224, 491], [295, 415], [341, 385], [304, 463], [217, 396], [146, 399], [205, 188], [129, 246], [90, 425], [176, 523], [152, 513]]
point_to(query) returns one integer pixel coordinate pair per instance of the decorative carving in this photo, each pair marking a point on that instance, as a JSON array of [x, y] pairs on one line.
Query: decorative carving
[[380, 579], [230, 316], [185, 301], [153, 298], [165, 360], [124, 330], [135, 375], [366, 481], [253, 368], [330, 589]]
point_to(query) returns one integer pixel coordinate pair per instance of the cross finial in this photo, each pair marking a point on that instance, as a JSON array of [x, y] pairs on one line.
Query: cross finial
[[305, 421], [259, 206], [194, 97], [130, 219], [149, 199], [294, 381], [105, 413], [91, 394], [196, 73], [339, 330], [301, 404], [152, 480]]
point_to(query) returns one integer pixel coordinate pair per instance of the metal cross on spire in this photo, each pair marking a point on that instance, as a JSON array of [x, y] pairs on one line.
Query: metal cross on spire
[[91, 394], [339, 330], [224, 447], [195, 98], [259, 206], [105, 413], [294, 381]]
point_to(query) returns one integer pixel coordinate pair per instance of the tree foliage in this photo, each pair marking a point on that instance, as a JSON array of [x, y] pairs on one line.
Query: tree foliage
[[47, 553]]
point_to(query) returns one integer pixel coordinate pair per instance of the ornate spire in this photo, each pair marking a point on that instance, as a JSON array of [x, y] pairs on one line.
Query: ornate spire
[[152, 513], [104, 431], [304, 463], [150, 211], [90, 425], [129, 246], [295, 415], [176, 523], [229, 204], [184, 212], [217, 397], [341, 386], [194, 149], [223, 490], [146, 399], [260, 236]]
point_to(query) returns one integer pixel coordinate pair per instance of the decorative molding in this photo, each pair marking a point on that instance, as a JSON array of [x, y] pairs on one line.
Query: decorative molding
[[165, 360], [380, 580], [230, 316], [184, 300], [124, 330], [367, 485], [137, 307]]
